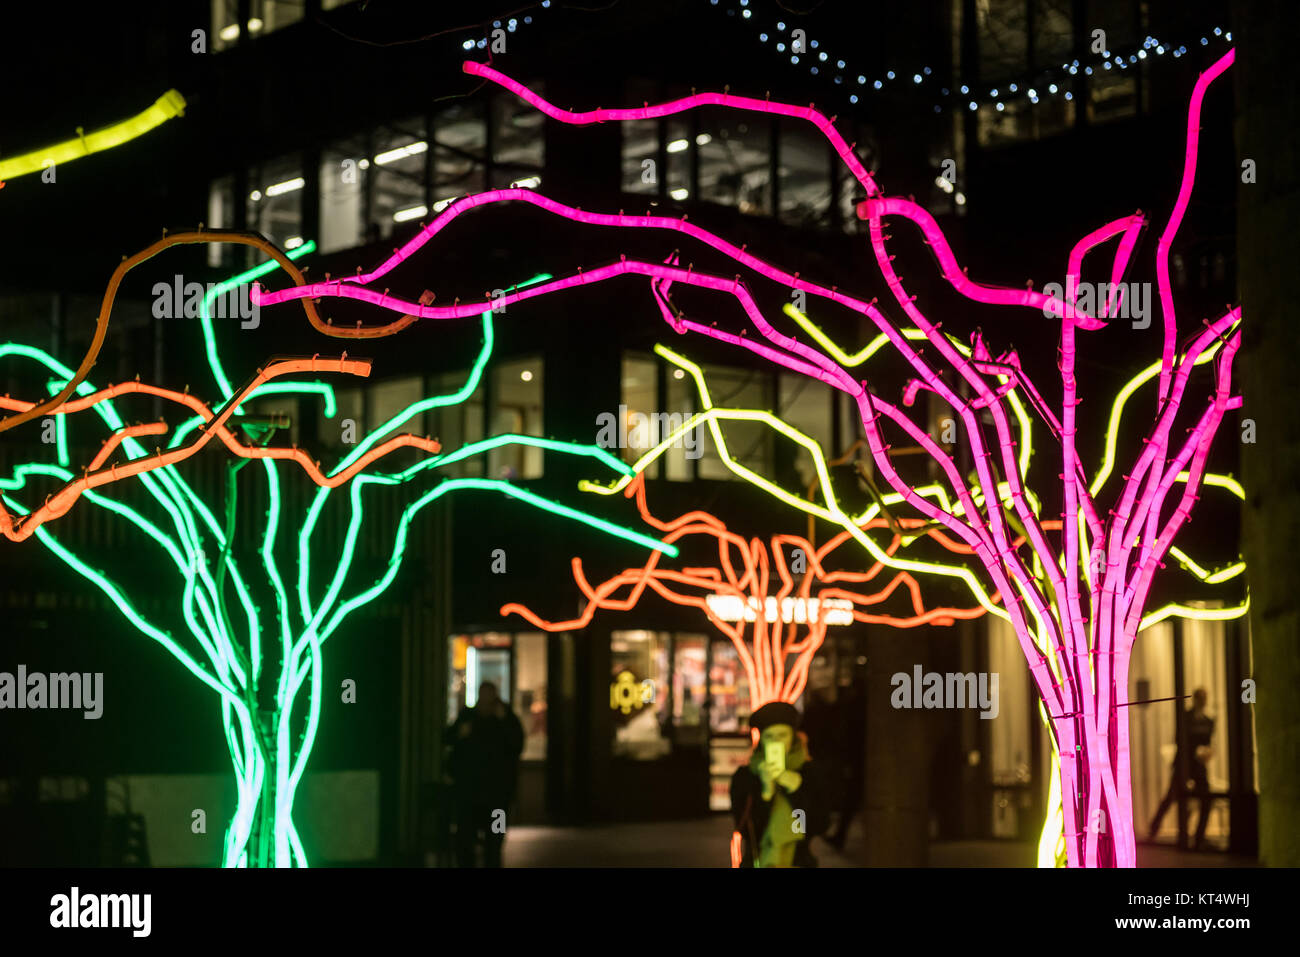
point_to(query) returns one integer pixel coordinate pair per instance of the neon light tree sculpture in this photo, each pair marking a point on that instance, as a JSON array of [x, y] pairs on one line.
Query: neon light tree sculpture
[[266, 670], [752, 583], [1077, 599]]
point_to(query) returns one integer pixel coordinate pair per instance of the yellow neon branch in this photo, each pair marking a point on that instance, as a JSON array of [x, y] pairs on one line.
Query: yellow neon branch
[[168, 105]]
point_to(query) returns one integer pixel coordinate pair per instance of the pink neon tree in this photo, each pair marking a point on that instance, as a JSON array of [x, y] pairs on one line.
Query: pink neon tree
[[1076, 597]]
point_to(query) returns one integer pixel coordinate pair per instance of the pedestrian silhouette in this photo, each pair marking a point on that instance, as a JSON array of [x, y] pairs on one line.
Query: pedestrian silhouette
[[486, 741], [1189, 768]]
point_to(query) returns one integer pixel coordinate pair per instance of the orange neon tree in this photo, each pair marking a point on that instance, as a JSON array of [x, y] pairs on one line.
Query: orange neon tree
[[774, 600]]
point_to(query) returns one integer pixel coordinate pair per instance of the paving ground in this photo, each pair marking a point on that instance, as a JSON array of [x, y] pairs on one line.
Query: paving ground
[[704, 843]]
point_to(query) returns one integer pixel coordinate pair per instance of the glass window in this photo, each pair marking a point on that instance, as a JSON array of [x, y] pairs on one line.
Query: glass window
[[734, 160], [517, 138], [749, 442], [264, 16], [397, 168], [460, 152], [679, 461], [806, 405], [475, 659], [640, 404], [640, 147], [729, 686], [347, 428], [455, 426], [678, 148], [690, 687], [1053, 32], [225, 24], [1153, 728], [530, 692], [391, 398], [221, 215], [805, 175], [517, 408], [1003, 30], [638, 693], [275, 201], [1113, 93], [343, 171]]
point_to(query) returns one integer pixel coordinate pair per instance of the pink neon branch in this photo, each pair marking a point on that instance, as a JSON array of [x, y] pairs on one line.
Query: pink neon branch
[[1087, 626]]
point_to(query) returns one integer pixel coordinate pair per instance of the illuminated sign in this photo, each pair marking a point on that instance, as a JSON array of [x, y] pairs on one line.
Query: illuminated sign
[[837, 611], [625, 693]]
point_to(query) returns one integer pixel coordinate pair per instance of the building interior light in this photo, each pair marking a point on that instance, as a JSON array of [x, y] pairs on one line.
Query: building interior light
[[526, 375], [288, 186], [528, 182], [229, 32], [411, 212], [677, 146], [410, 149], [254, 25], [293, 242], [680, 193]]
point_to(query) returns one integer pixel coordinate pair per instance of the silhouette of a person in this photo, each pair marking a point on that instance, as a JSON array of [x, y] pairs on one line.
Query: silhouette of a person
[[1200, 729], [487, 740]]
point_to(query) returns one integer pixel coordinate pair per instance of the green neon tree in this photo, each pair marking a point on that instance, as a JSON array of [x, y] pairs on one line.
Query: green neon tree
[[264, 668]]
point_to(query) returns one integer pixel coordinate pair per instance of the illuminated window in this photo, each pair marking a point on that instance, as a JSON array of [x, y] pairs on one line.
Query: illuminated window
[[460, 152], [517, 141], [274, 202], [347, 427], [750, 443], [398, 169], [221, 215], [1006, 55], [804, 175], [640, 403], [690, 688], [343, 172], [529, 699], [651, 412], [517, 409], [639, 693], [735, 151], [264, 16], [729, 686], [474, 660], [640, 156], [806, 405], [457, 425], [391, 397]]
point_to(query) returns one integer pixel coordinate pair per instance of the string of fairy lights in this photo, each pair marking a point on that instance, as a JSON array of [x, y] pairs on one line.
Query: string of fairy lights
[[1045, 84], [509, 24]]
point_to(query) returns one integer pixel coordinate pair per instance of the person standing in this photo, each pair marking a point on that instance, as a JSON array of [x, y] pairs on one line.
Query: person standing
[[1200, 730], [779, 799], [486, 741]]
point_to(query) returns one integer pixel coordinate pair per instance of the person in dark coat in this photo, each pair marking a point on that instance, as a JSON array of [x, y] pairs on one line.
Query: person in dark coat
[[1200, 731], [486, 741], [777, 812]]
